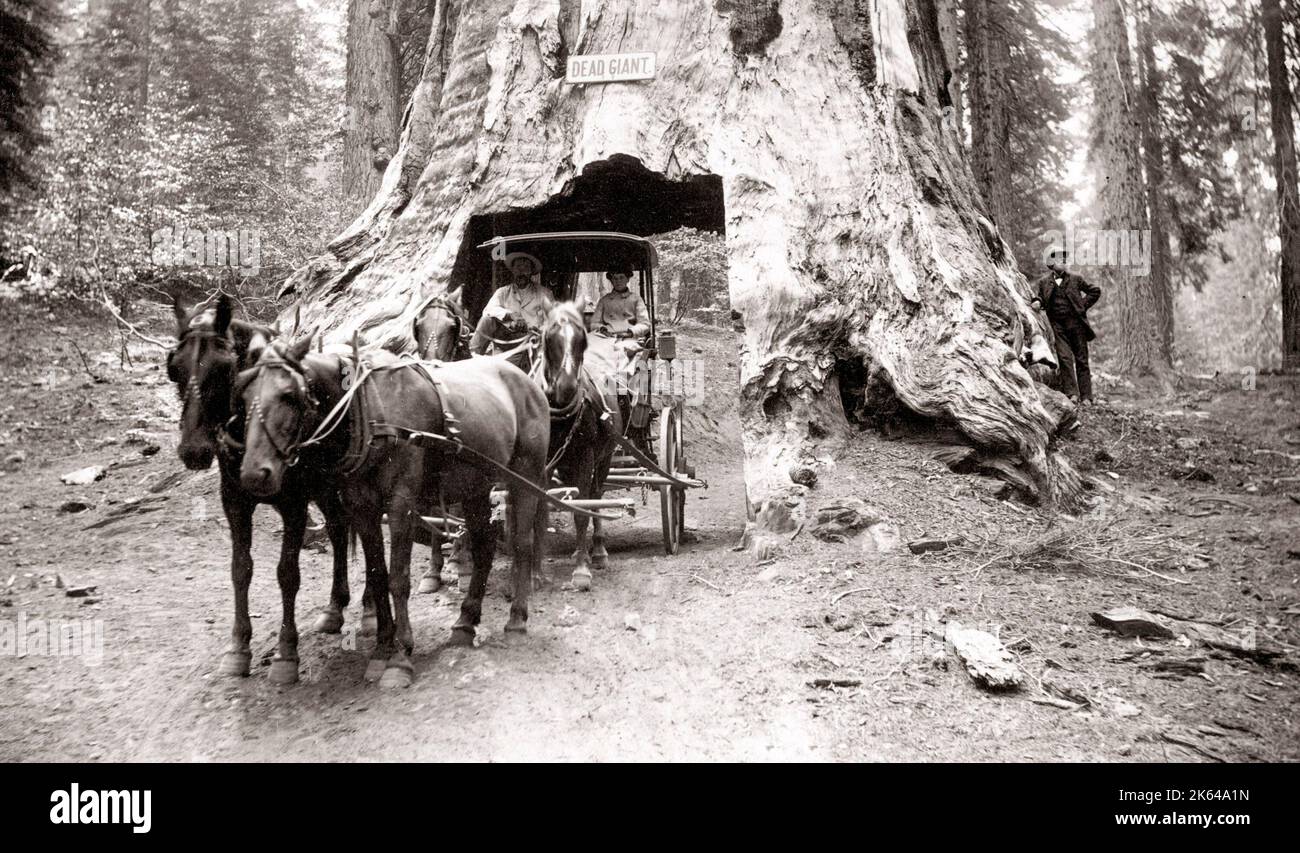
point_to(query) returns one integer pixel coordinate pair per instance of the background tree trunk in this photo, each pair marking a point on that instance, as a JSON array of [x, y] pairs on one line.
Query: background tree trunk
[[373, 99], [987, 60], [1153, 149], [1121, 193], [855, 240], [1284, 168]]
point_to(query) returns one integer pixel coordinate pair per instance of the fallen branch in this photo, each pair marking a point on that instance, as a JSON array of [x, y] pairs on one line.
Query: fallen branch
[[845, 594], [96, 378], [711, 586], [108, 303], [1194, 746]]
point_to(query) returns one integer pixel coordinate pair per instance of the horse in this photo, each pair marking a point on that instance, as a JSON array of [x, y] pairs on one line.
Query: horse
[[442, 332], [583, 429], [441, 328], [211, 347], [400, 433]]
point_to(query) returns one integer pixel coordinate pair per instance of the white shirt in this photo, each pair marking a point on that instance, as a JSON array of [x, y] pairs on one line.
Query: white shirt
[[621, 312], [532, 303]]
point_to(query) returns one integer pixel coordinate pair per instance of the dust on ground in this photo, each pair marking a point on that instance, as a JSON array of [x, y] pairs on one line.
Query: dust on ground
[[726, 652]]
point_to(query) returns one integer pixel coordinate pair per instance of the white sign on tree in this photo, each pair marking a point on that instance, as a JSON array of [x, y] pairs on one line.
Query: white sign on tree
[[610, 68]]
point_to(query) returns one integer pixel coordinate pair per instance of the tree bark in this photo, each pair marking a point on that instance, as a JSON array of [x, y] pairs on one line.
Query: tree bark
[[988, 58], [1284, 169], [1153, 150], [950, 40], [854, 233], [373, 99], [1122, 193]]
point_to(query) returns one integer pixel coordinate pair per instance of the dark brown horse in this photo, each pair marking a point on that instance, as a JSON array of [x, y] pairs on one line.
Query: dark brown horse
[[212, 347], [442, 329], [371, 423], [442, 332], [583, 430]]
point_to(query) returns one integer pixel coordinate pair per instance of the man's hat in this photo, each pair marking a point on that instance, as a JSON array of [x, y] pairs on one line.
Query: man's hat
[[514, 256]]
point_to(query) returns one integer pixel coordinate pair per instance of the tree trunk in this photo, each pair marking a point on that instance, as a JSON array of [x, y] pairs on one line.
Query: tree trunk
[[988, 58], [1122, 195], [1153, 148], [813, 132], [950, 40], [1284, 169], [373, 99]]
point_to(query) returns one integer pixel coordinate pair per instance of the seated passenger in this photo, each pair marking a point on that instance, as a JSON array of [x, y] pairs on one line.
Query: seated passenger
[[621, 313], [515, 309]]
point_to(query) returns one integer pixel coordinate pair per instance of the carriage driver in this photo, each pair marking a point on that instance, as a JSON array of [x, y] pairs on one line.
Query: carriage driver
[[515, 309], [621, 313]]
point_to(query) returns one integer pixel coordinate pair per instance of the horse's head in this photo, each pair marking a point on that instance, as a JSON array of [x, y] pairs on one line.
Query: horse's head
[[442, 329], [203, 366], [281, 412], [564, 343]]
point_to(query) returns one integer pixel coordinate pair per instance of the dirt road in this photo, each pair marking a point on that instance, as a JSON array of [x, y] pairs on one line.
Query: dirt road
[[722, 662]]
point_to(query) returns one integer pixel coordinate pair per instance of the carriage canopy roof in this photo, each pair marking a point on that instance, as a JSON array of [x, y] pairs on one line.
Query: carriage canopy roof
[[580, 251]]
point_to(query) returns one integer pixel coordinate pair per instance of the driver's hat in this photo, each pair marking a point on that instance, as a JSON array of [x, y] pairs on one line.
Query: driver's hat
[[514, 256]]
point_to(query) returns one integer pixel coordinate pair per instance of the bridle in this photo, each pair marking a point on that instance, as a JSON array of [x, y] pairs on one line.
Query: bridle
[[541, 364], [193, 392], [288, 453], [463, 330]]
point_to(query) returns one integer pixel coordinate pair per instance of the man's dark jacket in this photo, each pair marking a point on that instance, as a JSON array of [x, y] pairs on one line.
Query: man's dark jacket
[[1079, 297]]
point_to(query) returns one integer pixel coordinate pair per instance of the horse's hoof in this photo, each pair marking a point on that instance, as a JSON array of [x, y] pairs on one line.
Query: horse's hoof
[[461, 637], [375, 669], [599, 563], [328, 622], [429, 583], [235, 664], [396, 678], [517, 626], [581, 580], [369, 625], [283, 671]]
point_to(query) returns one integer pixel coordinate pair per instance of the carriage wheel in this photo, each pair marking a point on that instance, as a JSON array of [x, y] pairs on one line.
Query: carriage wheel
[[672, 499]]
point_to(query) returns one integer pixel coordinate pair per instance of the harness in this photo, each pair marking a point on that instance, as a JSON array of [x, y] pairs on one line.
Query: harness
[[192, 390], [288, 452], [463, 330]]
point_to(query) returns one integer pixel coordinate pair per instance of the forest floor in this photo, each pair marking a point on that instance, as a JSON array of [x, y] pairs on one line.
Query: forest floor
[[1190, 515]]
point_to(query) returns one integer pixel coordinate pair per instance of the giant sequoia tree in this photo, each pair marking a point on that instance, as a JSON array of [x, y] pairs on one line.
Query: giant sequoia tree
[[1117, 153], [812, 132], [1285, 171]]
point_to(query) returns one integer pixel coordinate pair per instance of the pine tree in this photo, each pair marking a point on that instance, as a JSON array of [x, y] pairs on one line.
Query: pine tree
[[1017, 106]]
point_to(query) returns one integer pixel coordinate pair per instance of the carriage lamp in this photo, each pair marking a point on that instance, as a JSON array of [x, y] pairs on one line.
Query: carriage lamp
[[666, 344]]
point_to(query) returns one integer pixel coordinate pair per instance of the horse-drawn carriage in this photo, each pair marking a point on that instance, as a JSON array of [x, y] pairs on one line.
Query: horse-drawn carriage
[[640, 375], [370, 434]]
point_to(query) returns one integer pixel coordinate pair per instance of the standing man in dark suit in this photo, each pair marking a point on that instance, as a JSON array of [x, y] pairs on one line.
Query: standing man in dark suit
[[1067, 298]]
